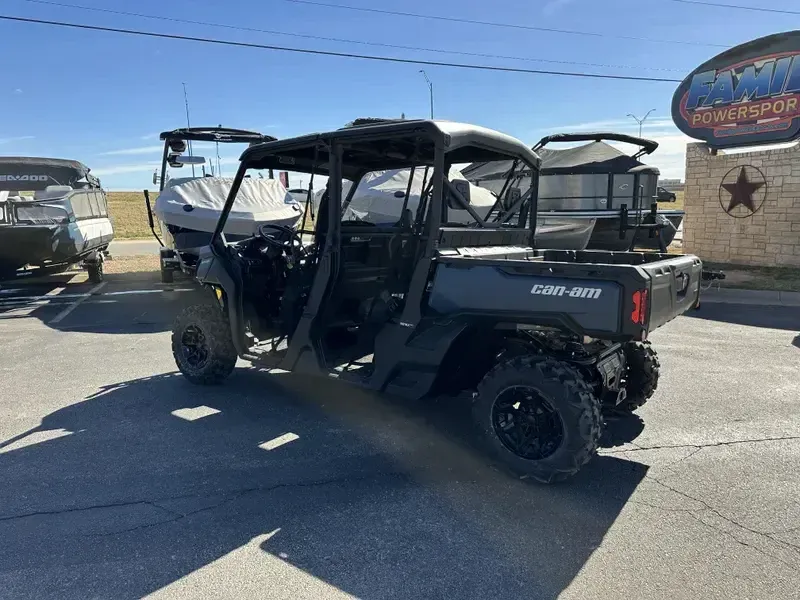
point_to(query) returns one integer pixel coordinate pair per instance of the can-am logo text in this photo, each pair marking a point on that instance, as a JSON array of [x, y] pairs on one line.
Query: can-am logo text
[[562, 290], [24, 178]]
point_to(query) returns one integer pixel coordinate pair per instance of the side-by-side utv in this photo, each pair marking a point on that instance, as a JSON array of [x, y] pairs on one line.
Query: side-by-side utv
[[540, 340]]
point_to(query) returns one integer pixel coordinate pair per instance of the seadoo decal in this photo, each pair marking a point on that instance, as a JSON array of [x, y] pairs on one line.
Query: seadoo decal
[[746, 96], [24, 177]]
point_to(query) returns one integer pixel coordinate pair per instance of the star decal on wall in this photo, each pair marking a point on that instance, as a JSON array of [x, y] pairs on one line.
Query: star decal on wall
[[741, 190]]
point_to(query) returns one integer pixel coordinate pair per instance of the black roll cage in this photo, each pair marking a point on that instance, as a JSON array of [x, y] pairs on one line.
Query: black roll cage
[[354, 151]]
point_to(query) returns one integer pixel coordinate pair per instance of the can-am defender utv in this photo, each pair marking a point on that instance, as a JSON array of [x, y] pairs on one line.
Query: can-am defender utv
[[541, 340]]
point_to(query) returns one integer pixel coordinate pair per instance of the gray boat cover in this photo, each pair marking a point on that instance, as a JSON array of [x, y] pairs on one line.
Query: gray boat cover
[[594, 157], [379, 197]]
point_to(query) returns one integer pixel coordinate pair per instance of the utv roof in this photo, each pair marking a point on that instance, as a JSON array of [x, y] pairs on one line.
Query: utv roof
[[388, 145], [215, 134]]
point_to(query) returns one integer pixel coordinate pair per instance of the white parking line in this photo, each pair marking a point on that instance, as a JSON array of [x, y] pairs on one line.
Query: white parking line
[[279, 441], [131, 292], [49, 296], [77, 303]]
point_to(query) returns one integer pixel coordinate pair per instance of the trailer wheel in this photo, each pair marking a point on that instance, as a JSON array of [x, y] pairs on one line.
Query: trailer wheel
[[95, 270], [641, 375], [538, 417], [202, 345]]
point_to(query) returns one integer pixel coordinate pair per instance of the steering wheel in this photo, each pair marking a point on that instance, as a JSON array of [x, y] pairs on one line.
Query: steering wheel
[[281, 237]]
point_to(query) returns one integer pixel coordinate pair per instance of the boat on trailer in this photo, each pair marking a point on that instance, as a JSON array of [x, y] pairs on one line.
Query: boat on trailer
[[597, 188], [187, 208], [597, 180], [53, 215]]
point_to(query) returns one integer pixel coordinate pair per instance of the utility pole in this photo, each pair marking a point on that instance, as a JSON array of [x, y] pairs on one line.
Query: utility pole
[[642, 120], [188, 124], [430, 87]]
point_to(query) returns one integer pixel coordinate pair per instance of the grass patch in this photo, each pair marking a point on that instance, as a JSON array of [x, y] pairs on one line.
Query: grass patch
[[677, 205], [129, 214], [745, 277]]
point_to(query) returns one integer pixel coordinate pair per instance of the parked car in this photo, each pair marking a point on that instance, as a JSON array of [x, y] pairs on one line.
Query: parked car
[[663, 195]]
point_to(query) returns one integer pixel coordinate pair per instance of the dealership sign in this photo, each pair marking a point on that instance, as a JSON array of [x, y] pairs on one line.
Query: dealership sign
[[745, 96]]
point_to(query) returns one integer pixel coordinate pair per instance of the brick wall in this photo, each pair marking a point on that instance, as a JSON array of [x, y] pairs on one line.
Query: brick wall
[[768, 237]]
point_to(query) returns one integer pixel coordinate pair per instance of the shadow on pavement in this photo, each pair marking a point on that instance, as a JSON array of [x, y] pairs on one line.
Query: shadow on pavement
[[154, 483], [772, 317], [621, 429], [134, 302]]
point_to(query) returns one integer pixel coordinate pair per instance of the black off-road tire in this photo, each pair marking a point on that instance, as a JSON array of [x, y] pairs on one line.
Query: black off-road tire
[[567, 394], [641, 375], [221, 357], [167, 275], [95, 271]]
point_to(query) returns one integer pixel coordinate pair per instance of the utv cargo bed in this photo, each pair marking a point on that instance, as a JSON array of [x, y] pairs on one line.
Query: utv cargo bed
[[620, 296]]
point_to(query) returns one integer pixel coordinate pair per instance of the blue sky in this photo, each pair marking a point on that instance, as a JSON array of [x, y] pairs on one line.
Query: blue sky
[[102, 98]]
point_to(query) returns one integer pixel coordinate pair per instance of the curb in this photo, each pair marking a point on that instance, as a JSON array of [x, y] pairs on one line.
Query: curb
[[750, 297]]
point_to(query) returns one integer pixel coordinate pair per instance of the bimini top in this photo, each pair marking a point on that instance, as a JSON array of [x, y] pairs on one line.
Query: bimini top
[[596, 157], [388, 145], [216, 134], [23, 173]]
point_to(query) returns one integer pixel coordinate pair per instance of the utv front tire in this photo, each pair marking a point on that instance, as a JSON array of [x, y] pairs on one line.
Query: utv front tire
[[202, 345], [538, 417], [641, 375]]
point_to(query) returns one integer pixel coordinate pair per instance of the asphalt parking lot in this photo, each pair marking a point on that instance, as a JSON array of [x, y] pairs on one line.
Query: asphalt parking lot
[[118, 479]]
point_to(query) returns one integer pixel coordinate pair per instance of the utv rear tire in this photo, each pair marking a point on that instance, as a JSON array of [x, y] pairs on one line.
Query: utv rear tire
[[167, 276], [641, 377], [548, 405], [202, 345]]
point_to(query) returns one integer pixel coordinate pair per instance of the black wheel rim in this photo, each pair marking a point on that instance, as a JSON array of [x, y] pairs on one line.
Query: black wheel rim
[[193, 346], [526, 423]]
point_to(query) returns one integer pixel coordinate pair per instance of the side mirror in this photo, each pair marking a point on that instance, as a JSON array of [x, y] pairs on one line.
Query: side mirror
[[179, 160], [461, 187], [155, 177], [514, 194]]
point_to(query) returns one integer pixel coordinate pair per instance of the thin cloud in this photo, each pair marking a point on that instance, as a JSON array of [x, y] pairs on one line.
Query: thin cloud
[[133, 151], [120, 169], [615, 124], [16, 139], [554, 6], [18, 91]]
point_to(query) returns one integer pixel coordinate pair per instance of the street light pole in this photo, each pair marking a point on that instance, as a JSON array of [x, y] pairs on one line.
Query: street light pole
[[642, 120], [430, 86]]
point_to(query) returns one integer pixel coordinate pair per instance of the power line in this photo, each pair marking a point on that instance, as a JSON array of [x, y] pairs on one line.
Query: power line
[[346, 41], [739, 7], [398, 13], [410, 61]]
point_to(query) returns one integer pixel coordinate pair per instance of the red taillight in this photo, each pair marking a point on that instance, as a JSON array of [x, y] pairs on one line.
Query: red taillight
[[639, 313]]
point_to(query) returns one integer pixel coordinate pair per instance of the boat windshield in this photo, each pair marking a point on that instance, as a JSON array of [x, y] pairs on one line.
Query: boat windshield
[[37, 213]]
